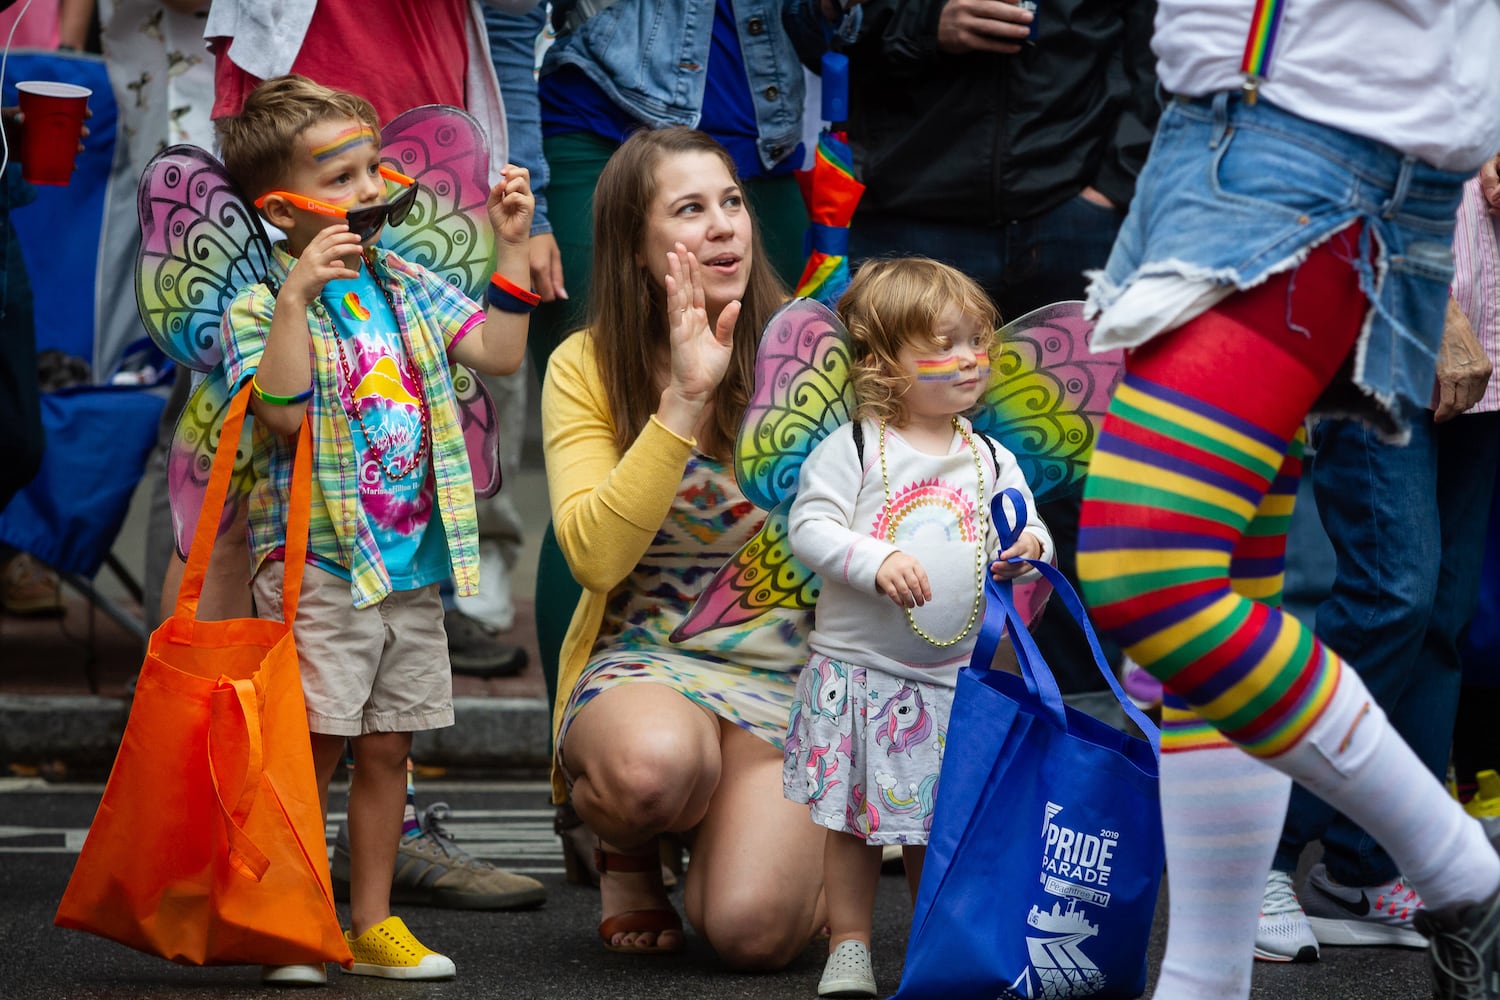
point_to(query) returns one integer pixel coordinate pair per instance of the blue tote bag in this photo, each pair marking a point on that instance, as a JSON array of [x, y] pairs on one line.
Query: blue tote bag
[[1046, 852]]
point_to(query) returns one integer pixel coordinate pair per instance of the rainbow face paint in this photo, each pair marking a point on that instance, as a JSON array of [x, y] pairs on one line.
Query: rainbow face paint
[[346, 140], [938, 369]]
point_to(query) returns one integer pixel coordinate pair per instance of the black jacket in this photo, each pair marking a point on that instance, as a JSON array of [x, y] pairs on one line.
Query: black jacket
[[985, 138]]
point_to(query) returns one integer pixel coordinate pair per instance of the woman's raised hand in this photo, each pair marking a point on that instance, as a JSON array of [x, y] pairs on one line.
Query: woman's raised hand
[[700, 352]]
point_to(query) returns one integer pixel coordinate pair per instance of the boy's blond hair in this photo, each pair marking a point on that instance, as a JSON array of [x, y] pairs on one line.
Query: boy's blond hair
[[896, 301], [257, 144]]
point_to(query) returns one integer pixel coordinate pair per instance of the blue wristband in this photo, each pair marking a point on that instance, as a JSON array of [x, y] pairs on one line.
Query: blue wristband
[[510, 297]]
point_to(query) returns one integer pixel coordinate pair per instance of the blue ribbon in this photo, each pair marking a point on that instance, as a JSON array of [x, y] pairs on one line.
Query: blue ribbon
[[1000, 613]]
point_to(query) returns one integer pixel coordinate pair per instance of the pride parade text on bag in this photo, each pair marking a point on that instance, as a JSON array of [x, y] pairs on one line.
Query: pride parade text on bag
[[1046, 853]]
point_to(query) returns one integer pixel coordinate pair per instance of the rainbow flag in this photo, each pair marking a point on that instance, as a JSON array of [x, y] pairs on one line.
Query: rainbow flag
[[831, 193]]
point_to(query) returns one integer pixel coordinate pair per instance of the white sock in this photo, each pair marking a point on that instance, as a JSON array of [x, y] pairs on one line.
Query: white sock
[[1353, 760], [1222, 813]]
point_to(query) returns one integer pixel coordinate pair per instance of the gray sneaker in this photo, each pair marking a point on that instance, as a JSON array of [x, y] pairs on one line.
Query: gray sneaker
[[1378, 915], [431, 870], [1465, 950]]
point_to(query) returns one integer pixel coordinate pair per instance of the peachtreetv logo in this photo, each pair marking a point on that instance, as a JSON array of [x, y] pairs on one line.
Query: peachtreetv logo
[[1075, 864]]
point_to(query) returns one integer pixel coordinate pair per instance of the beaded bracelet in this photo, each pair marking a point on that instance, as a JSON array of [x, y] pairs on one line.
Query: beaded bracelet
[[507, 296], [275, 400]]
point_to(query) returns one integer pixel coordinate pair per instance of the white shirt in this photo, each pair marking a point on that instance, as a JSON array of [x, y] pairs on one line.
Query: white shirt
[[1422, 76], [838, 527]]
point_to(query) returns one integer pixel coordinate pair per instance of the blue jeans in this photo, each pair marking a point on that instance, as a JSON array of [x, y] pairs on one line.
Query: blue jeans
[[1022, 265], [1234, 192], [1407, 525]]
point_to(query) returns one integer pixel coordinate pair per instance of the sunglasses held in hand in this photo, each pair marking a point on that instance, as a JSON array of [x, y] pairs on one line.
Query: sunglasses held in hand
[[363, 222]]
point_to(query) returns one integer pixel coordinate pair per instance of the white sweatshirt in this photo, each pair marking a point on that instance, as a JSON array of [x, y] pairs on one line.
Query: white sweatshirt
[[839, 527]]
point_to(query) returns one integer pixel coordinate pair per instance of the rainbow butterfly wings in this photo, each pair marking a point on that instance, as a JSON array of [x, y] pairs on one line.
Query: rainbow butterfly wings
[[448, 228], [1045, 400], [802, 393], [201, 243], [1047, 396]]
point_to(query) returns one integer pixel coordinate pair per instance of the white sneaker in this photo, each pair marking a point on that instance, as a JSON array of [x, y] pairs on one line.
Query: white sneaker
[[1373, 915], [493, 606], [1283, 934], [294, 975], [848, 972]]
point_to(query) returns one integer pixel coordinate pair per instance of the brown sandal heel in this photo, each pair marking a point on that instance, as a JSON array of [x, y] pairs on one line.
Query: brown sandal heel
[[578, 850]]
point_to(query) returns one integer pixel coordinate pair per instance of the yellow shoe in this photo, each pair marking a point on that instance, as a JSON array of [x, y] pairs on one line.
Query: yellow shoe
[[1486, 801], [391, 951]]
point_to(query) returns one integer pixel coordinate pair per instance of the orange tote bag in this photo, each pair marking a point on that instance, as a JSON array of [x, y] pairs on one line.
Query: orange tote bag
[[208, 847]]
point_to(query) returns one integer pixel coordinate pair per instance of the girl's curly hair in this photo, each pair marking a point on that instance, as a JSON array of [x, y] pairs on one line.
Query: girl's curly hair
[[896, 301]]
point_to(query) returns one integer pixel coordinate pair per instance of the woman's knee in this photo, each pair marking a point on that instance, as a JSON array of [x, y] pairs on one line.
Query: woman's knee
[[755, 930], [648, 783]]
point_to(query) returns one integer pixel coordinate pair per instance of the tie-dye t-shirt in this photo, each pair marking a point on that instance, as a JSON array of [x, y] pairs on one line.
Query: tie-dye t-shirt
[[378, 386]]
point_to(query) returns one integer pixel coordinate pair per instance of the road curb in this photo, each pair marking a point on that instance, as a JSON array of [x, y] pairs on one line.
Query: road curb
[[83, 731]]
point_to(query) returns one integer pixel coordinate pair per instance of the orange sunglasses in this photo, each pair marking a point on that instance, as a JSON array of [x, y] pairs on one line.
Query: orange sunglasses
[[363, 222]]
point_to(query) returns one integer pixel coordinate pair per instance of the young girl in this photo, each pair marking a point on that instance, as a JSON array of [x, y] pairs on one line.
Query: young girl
[[894, 507]]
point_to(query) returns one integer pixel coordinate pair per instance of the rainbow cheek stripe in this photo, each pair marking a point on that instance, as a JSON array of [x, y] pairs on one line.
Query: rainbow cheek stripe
[[343, 142], [942, 370], [353, 309]]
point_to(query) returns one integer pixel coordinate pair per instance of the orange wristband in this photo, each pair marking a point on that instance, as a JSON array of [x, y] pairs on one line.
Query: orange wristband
[[509, 287]]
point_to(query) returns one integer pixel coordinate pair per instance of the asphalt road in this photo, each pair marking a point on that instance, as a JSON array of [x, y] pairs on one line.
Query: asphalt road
[[546, 953]]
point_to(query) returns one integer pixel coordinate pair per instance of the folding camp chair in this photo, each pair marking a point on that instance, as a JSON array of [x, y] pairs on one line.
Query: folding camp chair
[[98, 435]]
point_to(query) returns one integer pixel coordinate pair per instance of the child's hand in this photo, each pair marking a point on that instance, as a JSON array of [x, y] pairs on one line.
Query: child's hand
[[510, 205], [903, 580], [1028, 546], [322, 261]]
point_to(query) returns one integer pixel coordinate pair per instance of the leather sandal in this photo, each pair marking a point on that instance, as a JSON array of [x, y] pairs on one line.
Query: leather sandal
[[653, 920]]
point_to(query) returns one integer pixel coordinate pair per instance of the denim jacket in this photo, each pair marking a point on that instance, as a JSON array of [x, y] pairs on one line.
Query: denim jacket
[[513, 52], [650, 57]]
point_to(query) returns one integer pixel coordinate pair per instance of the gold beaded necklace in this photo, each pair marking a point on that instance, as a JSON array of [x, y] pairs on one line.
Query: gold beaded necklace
[[890, 531]]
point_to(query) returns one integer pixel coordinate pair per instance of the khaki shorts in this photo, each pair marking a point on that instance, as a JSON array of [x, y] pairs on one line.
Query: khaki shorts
[[382, 669]]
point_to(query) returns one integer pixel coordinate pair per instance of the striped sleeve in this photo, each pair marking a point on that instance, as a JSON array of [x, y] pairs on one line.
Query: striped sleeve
[[1476, 280]]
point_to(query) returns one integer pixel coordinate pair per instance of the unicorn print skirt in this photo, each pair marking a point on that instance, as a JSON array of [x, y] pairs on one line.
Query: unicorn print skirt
[[863, 750]]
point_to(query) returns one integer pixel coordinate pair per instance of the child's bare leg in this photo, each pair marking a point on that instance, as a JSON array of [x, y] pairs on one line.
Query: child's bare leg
[[377, 798], [851, 872], [912, 856], [326, 751]]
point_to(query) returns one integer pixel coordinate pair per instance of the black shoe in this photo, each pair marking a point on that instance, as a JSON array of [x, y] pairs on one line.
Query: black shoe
[[474, 652], [1465, 950]]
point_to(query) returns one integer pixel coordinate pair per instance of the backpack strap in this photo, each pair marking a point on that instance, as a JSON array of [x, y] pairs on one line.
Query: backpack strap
[[990, 444]]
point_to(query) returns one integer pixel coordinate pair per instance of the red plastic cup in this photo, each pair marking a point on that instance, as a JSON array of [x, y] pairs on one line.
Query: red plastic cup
[[53, 120]]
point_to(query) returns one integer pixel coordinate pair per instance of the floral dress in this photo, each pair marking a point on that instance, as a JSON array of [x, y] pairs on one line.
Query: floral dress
[[745, 674]]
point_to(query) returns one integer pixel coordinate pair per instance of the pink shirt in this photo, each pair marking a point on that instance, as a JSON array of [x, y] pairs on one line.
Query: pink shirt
[[37, 30], [397, 54], [1476, 281]]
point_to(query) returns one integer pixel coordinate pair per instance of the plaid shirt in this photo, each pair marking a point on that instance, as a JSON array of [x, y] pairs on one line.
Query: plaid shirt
[[432, 315], [1476, 281]]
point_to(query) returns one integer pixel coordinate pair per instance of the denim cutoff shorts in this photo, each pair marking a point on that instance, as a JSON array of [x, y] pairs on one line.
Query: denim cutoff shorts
[[1235, 192]]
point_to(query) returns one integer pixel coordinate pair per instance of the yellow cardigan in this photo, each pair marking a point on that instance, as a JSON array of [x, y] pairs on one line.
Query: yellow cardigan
[[606, 507]]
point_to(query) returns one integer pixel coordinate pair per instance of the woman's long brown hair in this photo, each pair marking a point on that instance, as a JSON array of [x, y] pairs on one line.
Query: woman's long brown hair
[[627, 309]]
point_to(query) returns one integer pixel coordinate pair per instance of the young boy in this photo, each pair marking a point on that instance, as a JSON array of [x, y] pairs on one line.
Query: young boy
[[361, 341]]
